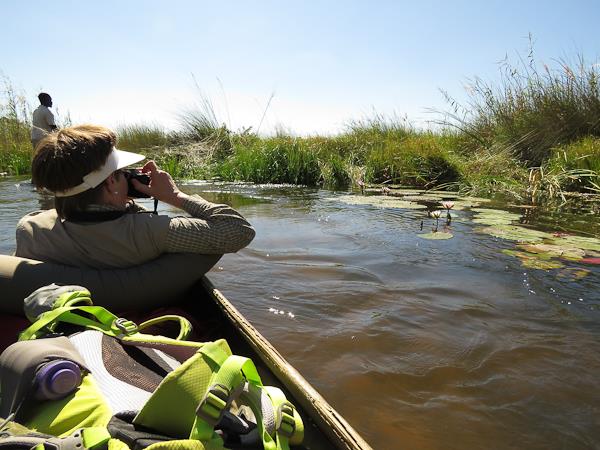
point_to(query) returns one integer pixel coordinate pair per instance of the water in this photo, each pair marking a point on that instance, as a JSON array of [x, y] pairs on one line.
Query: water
[[420, 344]]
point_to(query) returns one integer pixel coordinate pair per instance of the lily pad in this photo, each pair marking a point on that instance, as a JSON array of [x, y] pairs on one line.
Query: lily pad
[[534, 261], [460, 204], [556, 251], [572, 274], [515, 233], [381, 201], [492, 221], [495, 215], [423, 198], [436, 235], [446, 194], [586, 243], [476, 199]]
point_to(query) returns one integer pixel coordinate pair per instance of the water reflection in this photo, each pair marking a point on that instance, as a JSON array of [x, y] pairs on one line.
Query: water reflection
[[420, 344]]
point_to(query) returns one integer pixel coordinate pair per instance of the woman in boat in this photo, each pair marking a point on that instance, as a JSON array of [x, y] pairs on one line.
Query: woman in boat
[[95, 224]]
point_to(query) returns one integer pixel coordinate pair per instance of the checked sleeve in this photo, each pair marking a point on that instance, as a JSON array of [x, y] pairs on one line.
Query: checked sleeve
[[212, 229]]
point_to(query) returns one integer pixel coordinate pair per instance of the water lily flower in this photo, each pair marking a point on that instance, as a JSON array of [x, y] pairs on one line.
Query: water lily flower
[[361, 185], [436, 215], [385, 190], [448, 205]]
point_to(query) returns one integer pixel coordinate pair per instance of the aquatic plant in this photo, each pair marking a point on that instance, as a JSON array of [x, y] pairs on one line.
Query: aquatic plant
[[532, 110], [436, 235], [141, 136], [436, 215]]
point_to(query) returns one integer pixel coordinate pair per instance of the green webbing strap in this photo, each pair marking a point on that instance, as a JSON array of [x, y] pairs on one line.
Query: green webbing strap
[[73, 298], [185, 327], [105, 321], [255, 398], [288, 424], [232, 373]]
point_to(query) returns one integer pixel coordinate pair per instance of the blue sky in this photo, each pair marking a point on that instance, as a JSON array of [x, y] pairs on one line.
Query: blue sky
[[324, 62]]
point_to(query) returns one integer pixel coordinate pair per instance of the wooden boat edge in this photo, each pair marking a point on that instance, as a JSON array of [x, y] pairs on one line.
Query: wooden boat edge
[[325, 416]]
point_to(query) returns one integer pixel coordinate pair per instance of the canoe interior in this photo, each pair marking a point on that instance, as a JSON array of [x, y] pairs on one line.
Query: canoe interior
[[213, 317]]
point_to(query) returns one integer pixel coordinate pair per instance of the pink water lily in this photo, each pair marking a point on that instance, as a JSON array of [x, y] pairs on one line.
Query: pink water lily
[[448, 205]]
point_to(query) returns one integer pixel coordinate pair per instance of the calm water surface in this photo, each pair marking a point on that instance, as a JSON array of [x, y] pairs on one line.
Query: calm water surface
[[420, 344]]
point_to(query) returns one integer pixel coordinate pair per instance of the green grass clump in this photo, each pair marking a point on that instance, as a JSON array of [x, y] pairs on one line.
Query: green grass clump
[[141, 136], [490, 172], [271, 160], [419, 159], [579, 162], [15, 132], [370, 151], [532, 110]]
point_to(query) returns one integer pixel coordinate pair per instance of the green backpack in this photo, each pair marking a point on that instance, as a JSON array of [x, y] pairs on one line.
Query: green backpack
[[82, 378]]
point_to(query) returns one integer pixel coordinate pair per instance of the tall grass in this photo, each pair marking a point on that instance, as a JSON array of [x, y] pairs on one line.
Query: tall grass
[[141, 136], [271, 160], [532, 110], [15, 126], [200, 124], [577, 165]]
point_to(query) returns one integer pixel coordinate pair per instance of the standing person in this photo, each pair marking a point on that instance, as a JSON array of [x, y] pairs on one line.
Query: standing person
[[43, 119], [95, 224]]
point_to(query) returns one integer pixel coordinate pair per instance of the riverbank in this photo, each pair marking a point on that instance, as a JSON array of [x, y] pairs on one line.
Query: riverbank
[[535, 138]]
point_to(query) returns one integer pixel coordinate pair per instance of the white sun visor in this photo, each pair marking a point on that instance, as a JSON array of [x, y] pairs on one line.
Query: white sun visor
[[117, 159]]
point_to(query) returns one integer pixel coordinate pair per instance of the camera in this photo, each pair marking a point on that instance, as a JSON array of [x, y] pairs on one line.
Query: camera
[[136, 174]]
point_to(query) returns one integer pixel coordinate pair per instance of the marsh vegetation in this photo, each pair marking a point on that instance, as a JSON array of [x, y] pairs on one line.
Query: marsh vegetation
[[534, 136]]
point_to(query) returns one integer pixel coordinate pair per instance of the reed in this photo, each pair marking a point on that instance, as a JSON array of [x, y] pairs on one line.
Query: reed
[[271, 160], [577, 165], [15, 126], [532, 110], [200, 124], [419, 159], [141, 136]]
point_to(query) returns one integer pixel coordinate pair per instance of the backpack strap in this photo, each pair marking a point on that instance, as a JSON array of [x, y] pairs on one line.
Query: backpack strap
[[185, 327], [224, 387], [96, 318], [288, 423]]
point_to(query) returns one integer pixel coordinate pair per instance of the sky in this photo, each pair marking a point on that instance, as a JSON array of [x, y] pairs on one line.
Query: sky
[[308, 67]]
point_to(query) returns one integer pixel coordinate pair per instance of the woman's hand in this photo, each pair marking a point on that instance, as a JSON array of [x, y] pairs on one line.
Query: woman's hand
[[161, 187]]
